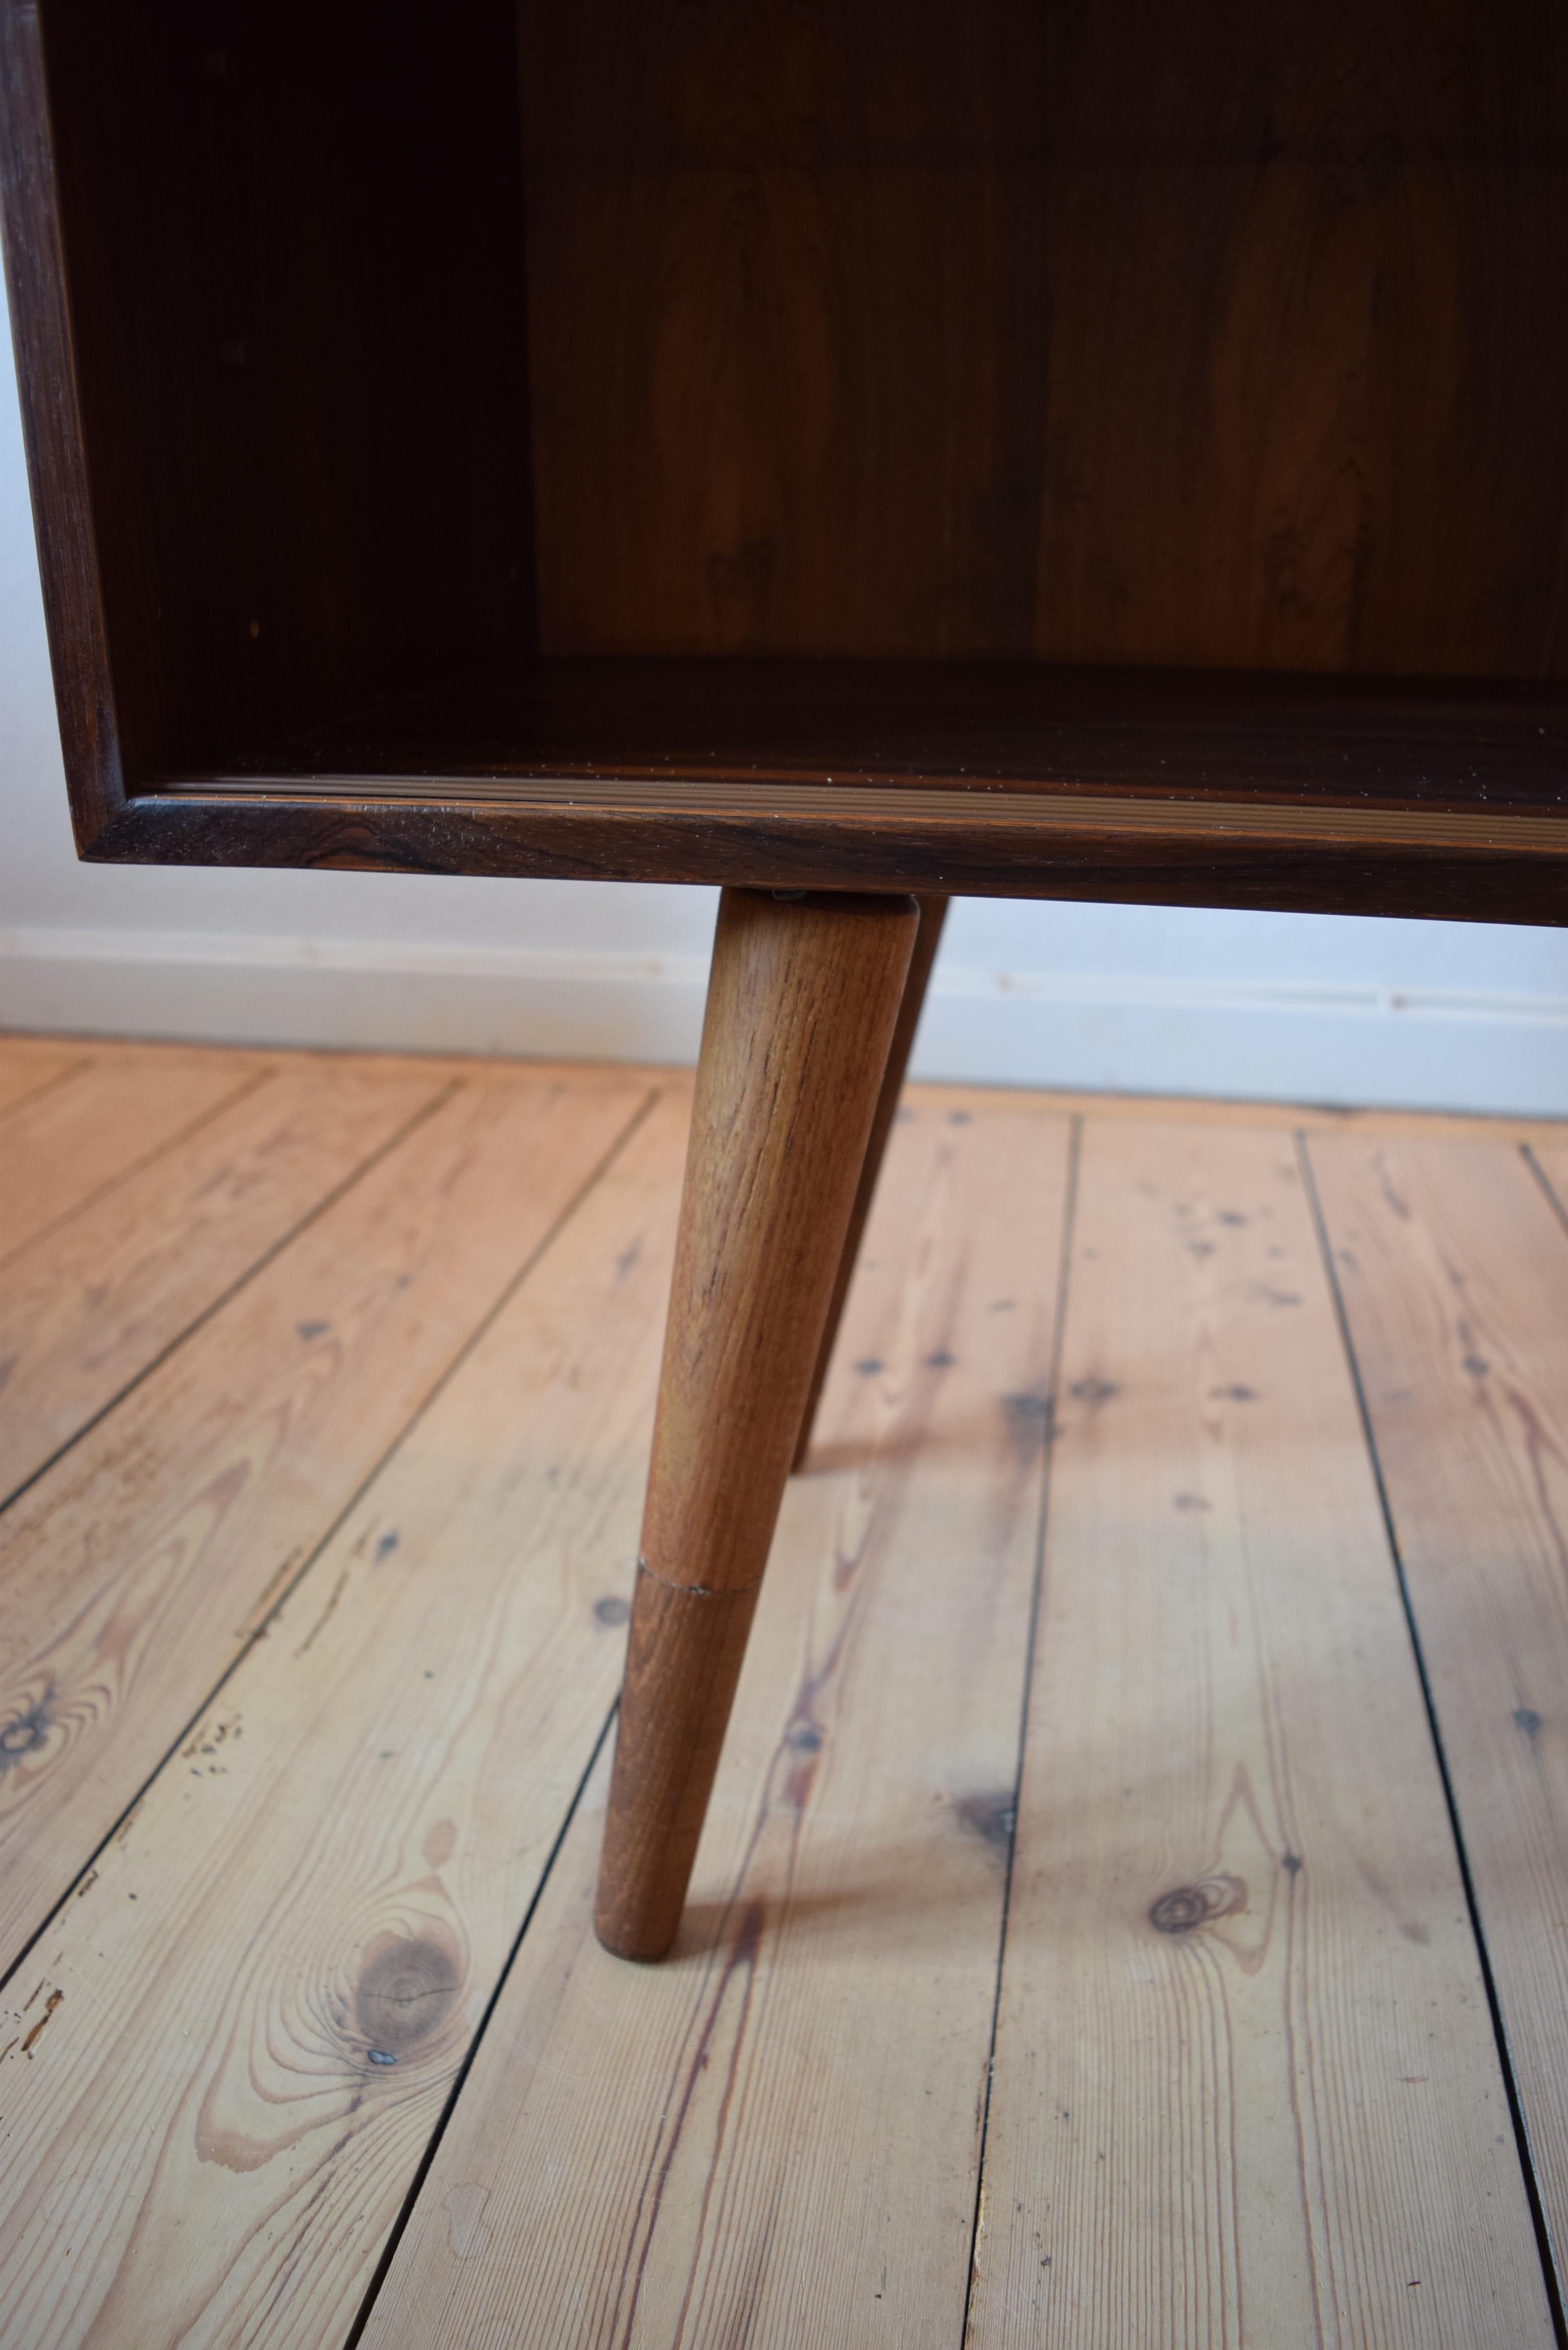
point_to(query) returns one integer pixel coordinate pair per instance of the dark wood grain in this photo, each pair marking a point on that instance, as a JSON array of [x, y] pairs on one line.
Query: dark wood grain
[[1237, 339], [803, 410], [965, 725], [1309, 335], [1024, 376], [1347, 795], [1509, 868]]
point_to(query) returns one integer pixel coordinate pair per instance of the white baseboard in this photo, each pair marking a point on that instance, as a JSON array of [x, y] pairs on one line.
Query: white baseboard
[[255, 989], [1421, 1047]]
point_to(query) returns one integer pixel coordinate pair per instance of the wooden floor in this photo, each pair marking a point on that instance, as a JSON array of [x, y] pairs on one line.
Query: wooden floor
[[1134, 1906]]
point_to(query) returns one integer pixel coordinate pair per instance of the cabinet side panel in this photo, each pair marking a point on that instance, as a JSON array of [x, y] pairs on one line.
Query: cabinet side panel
[[293, 241], [52, 429]]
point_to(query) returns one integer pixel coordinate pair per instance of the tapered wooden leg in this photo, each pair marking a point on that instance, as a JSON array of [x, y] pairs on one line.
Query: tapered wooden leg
[[933, 914], [802, 1007]]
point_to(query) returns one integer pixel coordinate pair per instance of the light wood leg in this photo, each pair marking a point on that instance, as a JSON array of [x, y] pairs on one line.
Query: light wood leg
[[933, 914], [803, 1003]]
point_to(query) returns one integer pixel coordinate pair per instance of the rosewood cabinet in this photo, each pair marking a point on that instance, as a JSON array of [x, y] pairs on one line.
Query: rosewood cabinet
[[849, 451]]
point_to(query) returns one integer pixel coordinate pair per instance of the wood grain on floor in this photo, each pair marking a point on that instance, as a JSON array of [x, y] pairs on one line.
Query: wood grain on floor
[[1080, 1950], [29, 1065], [308, 1913], [1453, 1265], [148, 1556], [68, 1143], [1247, 2086], [776, 2140], [98, 1297]]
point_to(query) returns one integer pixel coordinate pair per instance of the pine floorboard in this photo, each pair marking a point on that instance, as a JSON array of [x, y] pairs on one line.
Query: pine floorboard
[[1133, 1909], [29, 1065], [150, 1555], [91, 1304], [777, 2139], [1247, 2086], [310, 1949], [1453, 1266], [66, 1143]]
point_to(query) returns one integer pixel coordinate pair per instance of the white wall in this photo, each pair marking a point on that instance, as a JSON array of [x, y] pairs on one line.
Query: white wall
[[1292, 1006]]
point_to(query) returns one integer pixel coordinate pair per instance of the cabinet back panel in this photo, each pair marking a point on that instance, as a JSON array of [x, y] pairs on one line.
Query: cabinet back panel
[[1125, 332]]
